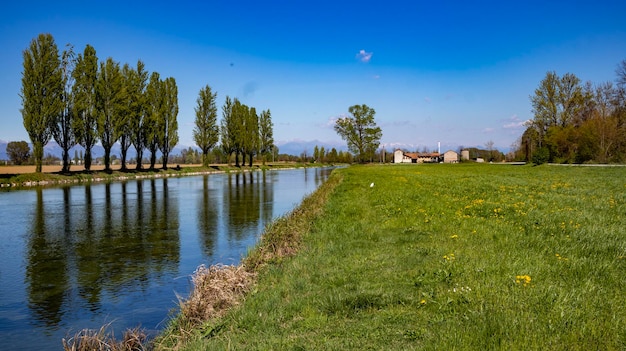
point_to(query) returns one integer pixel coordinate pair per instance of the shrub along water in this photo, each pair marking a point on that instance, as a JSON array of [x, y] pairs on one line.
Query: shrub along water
[[462, 256]]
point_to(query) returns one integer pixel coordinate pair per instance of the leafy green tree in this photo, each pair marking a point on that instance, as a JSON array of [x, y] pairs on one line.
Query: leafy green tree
[[228, 129], [545, 103], [360, 131], [135, 89], [206, 131], [169, 124], [266, 133], [62, 130], [123, 122], [41, 92], [250, 140], [240, 112], [18, 152], [109, 102], [85, 110], [154, 115]]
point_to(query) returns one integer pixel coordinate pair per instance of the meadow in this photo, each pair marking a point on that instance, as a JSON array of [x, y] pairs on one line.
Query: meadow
[[430, 257]]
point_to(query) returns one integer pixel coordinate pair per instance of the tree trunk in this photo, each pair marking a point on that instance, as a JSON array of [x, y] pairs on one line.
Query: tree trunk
[[88, 159], [38, 155], [165, 157], [107, 159]]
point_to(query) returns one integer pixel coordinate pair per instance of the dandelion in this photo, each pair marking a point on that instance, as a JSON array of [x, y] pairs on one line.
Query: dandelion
[[522, 279], [423, 302], [561, 258], [449, 257], [454, 236]]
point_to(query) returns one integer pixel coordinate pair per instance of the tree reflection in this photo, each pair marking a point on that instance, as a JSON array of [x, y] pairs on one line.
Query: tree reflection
[[46, 271], [99, 246], [207, 218]]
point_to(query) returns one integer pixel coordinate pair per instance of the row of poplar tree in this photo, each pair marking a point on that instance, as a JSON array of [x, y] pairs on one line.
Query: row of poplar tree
[[575, 122], [242, 131], [79, 101]]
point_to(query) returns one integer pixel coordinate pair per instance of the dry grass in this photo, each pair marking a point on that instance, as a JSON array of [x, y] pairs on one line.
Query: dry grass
[[102, 340], [216, 289]]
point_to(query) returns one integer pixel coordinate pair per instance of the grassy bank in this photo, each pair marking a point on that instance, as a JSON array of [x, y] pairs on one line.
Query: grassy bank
[[24, 176], [446, 257]]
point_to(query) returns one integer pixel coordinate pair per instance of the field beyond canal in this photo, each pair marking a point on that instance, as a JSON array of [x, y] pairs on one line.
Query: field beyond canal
[[431, 257]]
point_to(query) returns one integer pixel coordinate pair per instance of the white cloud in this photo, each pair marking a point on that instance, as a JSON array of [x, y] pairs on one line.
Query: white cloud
[[364, 56], [514, 122]]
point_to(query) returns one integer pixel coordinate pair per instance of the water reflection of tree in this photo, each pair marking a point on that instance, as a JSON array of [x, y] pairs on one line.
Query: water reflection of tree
[[243, 204], [111, 242], [207, 218], [46, 271], [248, 203]]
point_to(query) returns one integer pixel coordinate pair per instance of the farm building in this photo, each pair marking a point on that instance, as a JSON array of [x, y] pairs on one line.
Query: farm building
[[450, 156], [400, 156]]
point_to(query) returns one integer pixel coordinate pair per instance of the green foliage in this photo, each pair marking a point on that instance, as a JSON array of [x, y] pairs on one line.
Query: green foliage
[[206, 130], [541, 156], [436, 257], [85, 123], [266, 133], [136, 80], [154, 115], [18, 152], [169, 122], [577, 124], [360, 131], [110, 106], [41, 92], [63, 131]]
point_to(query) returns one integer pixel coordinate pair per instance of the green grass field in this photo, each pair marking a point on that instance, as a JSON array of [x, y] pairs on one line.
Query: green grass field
[[447, 257]]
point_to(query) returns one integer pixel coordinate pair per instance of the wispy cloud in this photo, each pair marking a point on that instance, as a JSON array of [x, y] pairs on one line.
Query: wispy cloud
[[364, 56], [514, 122], [330, 123], [427, 100]]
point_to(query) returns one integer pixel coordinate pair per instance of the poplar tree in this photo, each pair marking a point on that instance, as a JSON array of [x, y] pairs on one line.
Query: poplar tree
[[250, 140], [169, 125], [228, 130], [84, 90], [206, 132], [62, 130], [123, 125], [109, 106], [41, 92], [154, 115], [137, 116], [266, 133]]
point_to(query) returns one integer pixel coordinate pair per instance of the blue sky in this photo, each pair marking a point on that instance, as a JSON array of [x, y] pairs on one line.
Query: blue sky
[[454, 72]]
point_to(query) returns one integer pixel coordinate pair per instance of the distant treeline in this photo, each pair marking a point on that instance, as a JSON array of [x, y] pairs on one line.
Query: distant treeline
[[575, 123]]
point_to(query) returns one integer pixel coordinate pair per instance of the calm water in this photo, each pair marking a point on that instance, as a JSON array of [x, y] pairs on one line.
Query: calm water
[[82, 256]]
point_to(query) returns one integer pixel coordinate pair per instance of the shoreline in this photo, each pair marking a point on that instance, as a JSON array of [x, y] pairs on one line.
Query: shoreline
[[54, 177]]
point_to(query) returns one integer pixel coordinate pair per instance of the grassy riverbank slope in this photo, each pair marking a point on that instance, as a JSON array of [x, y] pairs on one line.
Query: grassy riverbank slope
[[431, 257]]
